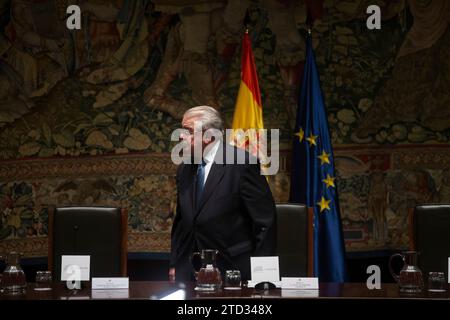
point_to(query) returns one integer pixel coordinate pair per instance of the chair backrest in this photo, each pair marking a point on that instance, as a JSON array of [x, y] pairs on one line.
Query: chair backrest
[[429, 234], [100, 232], [295, 239]]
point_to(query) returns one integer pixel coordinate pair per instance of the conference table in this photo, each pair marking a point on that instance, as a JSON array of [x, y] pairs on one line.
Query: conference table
[[157, 290], [349, 300]]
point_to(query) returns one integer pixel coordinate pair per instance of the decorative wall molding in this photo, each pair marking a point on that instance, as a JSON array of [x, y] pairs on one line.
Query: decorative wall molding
[[137, 242], [86, 167], [427, 157]]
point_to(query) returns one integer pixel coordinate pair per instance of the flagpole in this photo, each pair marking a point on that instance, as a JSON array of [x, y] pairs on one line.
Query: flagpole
[[246, 20], [307, 174]]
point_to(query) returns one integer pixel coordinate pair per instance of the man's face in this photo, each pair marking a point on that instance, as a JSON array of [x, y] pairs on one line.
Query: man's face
[[193, 134]]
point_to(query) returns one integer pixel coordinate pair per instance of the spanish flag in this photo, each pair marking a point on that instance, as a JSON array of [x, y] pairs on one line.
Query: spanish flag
[[248, 108]]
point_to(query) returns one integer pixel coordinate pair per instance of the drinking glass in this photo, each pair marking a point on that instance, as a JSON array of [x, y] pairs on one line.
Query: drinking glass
[[232, 280], [436, 282], [43, 280]]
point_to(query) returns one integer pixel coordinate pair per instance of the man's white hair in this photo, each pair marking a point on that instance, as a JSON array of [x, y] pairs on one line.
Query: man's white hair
[[209, 116]]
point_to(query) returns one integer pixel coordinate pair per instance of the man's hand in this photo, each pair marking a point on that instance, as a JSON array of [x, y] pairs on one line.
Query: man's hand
[[172, 274]]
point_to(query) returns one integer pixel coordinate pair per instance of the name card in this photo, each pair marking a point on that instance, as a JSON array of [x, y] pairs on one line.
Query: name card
[[75, 298], [75, 268], [299, 283], [110, 283], [294, 293], [265, 269], [110, 294]]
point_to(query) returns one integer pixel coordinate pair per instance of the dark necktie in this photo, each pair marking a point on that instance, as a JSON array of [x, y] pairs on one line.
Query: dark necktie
[[200, 182]]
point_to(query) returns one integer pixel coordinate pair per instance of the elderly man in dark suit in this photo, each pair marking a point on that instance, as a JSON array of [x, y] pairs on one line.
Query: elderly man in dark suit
[[220, 205]]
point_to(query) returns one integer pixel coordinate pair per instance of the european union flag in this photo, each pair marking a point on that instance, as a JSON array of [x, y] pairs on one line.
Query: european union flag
[[313, 180]]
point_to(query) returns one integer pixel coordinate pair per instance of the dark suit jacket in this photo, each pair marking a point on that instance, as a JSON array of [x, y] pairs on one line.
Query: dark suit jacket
[[236, 216]]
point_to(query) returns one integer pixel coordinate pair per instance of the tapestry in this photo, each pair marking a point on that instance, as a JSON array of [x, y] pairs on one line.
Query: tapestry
[[86, 115]]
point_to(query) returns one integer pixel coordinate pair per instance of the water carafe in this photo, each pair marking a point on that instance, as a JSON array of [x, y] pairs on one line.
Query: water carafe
[[208, 276], [13, 279], [410, 278]]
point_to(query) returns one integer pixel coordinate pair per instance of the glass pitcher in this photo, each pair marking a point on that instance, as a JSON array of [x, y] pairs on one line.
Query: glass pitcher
[[13, 279], [410, 279], [208, 276]]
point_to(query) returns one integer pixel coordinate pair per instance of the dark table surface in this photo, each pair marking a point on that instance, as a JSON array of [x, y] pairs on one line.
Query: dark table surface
[[146, 290]]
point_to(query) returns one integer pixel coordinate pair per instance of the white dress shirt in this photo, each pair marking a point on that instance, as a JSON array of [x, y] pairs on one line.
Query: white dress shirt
[[209, 159]]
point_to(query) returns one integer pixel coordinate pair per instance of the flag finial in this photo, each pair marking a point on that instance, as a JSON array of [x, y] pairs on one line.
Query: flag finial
[[309, 31], [247, 20]]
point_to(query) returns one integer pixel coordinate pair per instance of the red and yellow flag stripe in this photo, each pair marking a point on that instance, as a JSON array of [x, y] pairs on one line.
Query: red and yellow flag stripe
[[248, 108]]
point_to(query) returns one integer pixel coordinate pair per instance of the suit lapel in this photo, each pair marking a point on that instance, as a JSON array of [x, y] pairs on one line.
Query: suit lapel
[[214, 177]]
